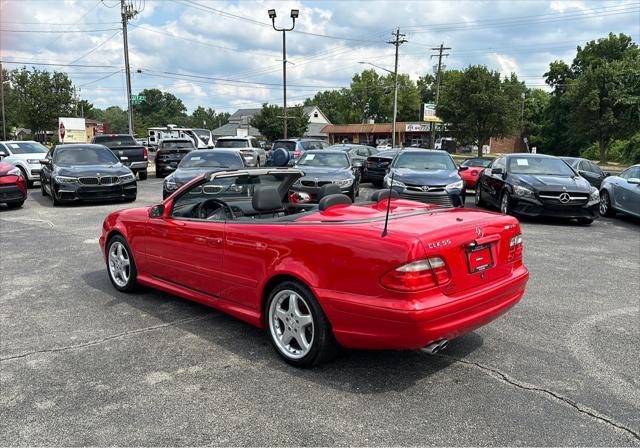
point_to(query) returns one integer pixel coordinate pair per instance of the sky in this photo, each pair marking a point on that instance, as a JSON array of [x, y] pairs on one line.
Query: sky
[[226, 55]]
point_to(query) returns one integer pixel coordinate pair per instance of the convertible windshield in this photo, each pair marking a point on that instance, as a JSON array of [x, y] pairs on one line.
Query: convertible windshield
[[211, 159], [424, 161], [80, 155], [27, 148], [228, 143], [544, 166], [484, 163], [332, 160]]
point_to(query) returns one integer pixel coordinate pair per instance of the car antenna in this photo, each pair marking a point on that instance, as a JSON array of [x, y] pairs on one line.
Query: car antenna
[[386, 218]]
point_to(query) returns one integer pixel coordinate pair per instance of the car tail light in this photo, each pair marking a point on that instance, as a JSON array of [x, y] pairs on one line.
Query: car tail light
[[145, 153], [515, 248], [296, 153], [418, 275], [474, 172]]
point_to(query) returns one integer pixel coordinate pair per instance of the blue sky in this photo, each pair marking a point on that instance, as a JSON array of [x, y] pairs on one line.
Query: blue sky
[[225, 55]]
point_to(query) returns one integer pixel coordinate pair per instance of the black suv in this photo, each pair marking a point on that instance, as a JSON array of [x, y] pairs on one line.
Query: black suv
[[170, 153]]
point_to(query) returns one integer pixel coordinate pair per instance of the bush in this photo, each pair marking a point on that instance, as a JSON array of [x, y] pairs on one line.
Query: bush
[[630, 151]]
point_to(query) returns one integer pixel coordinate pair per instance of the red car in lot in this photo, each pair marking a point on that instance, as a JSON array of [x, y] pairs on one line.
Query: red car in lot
[[13, 185], [475, 165], [319, 276]]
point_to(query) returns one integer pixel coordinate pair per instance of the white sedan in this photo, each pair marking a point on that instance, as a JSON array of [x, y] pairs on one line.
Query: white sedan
[[26, 155]]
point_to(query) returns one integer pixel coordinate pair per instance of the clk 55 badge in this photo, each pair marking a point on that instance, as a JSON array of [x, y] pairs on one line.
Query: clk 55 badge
[[437, 244]]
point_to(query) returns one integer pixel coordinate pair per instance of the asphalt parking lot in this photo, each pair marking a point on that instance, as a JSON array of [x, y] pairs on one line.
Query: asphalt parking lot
[[81, 364]]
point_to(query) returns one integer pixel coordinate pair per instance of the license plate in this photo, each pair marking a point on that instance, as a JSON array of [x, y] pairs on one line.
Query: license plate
[[479, 258]]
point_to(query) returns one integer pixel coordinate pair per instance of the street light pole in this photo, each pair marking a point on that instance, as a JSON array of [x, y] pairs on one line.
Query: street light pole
[[294, 16], [397, 42], [4, 124], [127, 12]]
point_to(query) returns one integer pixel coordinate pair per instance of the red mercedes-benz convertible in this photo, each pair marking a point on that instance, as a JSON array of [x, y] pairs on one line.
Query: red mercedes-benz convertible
[[318, 276]]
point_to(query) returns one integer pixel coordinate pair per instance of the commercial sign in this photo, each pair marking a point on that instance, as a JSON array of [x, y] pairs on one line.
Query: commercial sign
[[417, 127], [72, 130], [428, 110], [137, 99]]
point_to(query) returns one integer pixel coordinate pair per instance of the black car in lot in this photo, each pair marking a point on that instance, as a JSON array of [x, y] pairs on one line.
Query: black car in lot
[[200, 162], [587, 169], [376, 166], [324, 167], [85, 172], [426, 175], [537, 185], [169, 154]]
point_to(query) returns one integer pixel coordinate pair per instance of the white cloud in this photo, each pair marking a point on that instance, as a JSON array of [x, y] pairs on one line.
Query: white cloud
[[506, 64]]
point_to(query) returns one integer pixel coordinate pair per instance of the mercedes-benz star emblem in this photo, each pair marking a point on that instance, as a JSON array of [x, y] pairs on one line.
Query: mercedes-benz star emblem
[[564, 198]]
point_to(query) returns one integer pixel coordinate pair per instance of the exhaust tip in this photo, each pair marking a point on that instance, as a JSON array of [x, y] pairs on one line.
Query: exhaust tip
[[435, 347]]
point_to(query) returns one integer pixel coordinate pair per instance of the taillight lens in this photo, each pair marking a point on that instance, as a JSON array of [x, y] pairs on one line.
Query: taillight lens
[[474, 172], [515, 248], [145, 153], [418, 275]]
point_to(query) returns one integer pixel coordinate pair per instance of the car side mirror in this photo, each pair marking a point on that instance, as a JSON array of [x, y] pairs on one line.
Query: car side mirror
[[462, 168], [498, 171], [157, 211], [634, 180], [3, 154], [606, 173], [45, 162]]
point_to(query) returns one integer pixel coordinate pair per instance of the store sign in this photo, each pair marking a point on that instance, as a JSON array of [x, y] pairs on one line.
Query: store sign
[[417, 127], [428, 110], [72, 130]]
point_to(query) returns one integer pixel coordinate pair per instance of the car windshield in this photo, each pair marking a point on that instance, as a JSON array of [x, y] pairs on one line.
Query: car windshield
[[332, 160], [424, 161], [289, 146], [228, 143], [386, 154], [202, 134], [27, 148], [212, 159], [340, 148], [83, 155], [177, 144], [112, 141], [545, 166], [477, 162]]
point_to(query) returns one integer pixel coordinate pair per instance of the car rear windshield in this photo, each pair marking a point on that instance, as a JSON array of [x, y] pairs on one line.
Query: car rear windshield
[[201, 159], [229, 143], [84, 156], [289, 146], [484, 163], [112, 141], [424, 161], [177, 144], [332, 160], [27, 148], [539, 166]]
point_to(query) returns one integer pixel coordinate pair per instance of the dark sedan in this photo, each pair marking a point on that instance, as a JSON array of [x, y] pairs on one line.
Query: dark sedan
[[200, 162], [537, 185], [170, 153], [377, 165], [429, 176], [587, 169], [85, 172], [323, 167], [357, 153]]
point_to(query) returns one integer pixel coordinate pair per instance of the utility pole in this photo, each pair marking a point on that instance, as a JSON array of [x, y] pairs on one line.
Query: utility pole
[[397, 41], [294, 16], [127, 12], [440, 53], [4, 124]]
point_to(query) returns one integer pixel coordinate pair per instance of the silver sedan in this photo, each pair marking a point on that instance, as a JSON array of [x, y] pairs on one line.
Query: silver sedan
[[621, 193]]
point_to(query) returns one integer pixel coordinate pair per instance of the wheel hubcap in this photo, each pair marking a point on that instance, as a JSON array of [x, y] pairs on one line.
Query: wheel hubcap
[[505, 204], [119, 264], [291, 324], [603, 203]]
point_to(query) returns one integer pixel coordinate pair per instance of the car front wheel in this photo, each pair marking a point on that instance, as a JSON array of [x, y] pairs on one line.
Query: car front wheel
[[479, 201], [298, 328], [605, 204], [121, 265], [505, 203]]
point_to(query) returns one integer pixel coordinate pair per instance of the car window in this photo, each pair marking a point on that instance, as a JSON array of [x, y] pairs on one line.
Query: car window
[[254, 143], [499, 163], [363, 152], [631, 173], [424, 161], [583, 166], [482, 163], [211, 159], [79, 155], [26, 148], [114, 140], [177, 144], [232, 143], [595, 169], [546, 166]]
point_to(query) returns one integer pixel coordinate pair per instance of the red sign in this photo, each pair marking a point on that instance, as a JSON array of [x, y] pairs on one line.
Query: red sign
[[61, 131]]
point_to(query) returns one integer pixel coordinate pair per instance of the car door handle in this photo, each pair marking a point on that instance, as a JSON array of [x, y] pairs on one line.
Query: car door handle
[[214, 241]]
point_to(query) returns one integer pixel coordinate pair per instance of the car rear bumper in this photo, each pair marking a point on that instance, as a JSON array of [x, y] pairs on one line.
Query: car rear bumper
[[12, 193], [526, 208], [358, 322]]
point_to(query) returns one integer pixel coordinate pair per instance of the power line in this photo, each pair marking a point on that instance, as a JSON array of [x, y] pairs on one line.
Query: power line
[[96, 47], [57, 65], [100, 79], [58, 31]]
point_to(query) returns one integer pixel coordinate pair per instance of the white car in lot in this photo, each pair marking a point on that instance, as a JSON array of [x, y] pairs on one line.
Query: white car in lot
[[26, 155], [249, 147]]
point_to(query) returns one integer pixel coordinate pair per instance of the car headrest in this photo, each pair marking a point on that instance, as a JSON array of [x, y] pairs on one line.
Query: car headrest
[[266, 199], [379, 195], [328, 189], [333, 199]]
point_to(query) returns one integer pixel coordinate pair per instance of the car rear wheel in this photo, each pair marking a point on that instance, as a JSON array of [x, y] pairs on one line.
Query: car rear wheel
[[605, 204], [298, 328], [43, 190], [56, 201], [505, 203], [16, 204], [159, 174], [142, 175], [121, 265], [479, 201]]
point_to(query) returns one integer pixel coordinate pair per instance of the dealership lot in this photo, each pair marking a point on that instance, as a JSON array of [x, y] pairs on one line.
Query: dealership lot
[[81, 364]]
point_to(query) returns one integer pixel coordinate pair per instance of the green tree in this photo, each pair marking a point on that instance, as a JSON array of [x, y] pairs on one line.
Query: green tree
[[207, 118], [269, 121], [41, 98], [115, 117], [159, 109], [333, 103], [427, 87], [478, 105]]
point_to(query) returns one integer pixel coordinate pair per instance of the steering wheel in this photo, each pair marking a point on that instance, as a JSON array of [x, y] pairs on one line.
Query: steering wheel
[[204, 210]]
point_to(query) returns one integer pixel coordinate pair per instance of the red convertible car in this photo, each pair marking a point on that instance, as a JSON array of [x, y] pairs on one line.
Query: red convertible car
[[319, 276]]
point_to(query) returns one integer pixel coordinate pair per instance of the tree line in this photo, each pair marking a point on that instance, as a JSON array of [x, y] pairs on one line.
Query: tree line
[[592, 107]]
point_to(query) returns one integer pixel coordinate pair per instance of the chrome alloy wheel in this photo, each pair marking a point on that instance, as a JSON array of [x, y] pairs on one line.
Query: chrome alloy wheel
[[504, 204], [119, 264], [291, 324], [604, 203]]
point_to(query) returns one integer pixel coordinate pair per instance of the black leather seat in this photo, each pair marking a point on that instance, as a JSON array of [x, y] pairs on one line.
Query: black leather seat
[[328, 189], [379, 195], [333, 199], [267, 200]]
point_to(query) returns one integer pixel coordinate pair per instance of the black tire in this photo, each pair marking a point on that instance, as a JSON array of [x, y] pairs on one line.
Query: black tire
[[505, 203], [43, 190], [605, 205], [159, 174], [323, 345], [478, 197], [16, 204], [585, 221], [56, 201], [143, 175], [130, 199], [132, 282]]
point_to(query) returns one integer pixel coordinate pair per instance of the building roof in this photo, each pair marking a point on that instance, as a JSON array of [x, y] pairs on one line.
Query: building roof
[[376, 128], [231, 129]]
